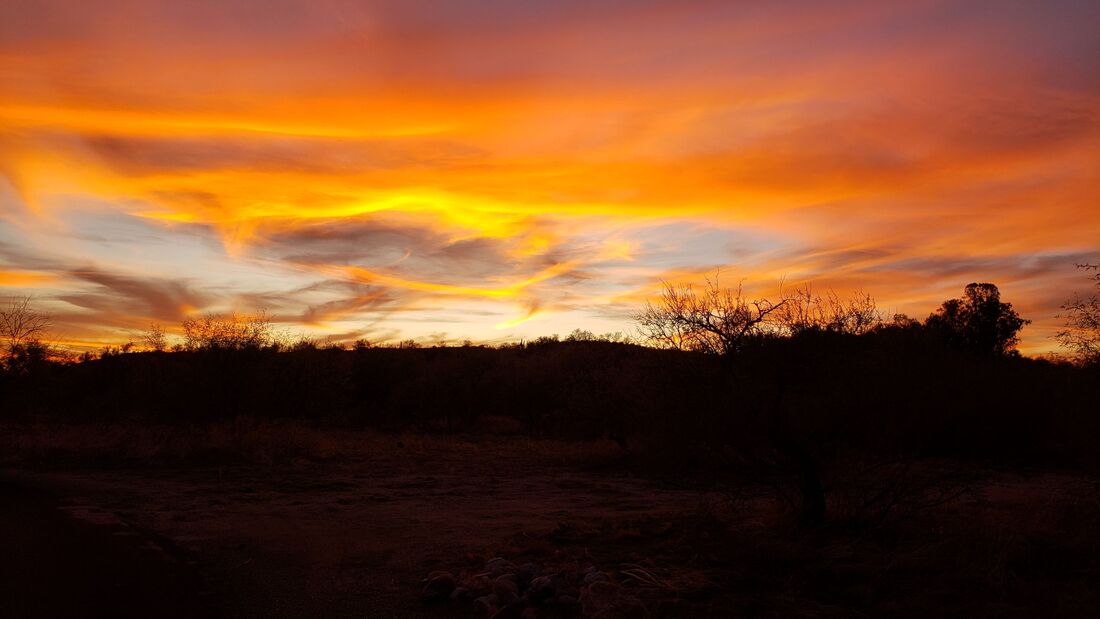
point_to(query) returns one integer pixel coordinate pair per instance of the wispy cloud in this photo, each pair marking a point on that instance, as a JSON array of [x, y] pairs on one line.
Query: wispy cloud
[[537, 166]]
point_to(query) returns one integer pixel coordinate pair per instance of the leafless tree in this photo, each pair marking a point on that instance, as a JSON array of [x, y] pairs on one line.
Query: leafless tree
[[581, 335], [227, 332], [721, 321], [21, 324], [1082, 328], [155, 338], [715, 320], [804, 311], [21, 331]]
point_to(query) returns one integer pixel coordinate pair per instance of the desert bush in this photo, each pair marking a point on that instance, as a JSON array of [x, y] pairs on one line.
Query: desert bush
[[227, 331], [803, 311], [1082, 327]]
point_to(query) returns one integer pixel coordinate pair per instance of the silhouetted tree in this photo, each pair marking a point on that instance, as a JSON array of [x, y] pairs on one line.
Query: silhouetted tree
[[581, 335], [979, 322], [1082, 327], [154, 337], [721, 321], [227, 332], [717, 320], [21, 330], [803, 311], [903, 322]]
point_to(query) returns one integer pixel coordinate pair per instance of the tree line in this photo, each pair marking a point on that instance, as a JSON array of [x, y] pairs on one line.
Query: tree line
[[816, 398], [713, 319], [722, 321]]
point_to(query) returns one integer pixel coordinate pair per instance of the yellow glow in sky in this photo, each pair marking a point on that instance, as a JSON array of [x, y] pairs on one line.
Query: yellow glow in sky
[[390, 170]]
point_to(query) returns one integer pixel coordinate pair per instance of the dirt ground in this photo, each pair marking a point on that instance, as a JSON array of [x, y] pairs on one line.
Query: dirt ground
[[355, 536], [351, 538]]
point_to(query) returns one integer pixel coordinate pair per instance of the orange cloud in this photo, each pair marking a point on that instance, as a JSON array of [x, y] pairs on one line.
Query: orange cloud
[[455, 153], [24, 279], [505, 291]]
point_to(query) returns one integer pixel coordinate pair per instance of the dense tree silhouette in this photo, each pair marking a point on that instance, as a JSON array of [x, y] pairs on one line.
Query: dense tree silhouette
[[979, 322]]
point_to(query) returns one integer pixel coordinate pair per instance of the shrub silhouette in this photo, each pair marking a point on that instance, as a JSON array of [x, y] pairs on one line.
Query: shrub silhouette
[[227, 332], [804, 312], [154, 337], [1082, 327]]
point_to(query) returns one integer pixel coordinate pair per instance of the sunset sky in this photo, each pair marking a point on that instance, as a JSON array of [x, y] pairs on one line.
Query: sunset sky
[[497, 170]]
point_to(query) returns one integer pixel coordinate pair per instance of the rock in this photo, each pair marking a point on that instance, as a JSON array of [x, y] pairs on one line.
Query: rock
[[480, 585], [525, 574], [543, 588], [438, 587], [486, 604], [506, 589], [499, 566], [604, 599], [511, 611], [595, 576], [566, 601], [625, 607], [598, 596], [460, 593]]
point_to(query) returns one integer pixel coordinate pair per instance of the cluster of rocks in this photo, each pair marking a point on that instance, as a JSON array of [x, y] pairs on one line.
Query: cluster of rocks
[[503, 590]]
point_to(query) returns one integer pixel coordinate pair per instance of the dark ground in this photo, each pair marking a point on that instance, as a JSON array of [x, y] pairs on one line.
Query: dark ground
[[60, 565], [353, 536]]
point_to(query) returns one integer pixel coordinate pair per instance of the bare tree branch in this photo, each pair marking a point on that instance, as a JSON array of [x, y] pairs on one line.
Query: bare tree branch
[[20, 324], [1082, 327], [717, 320]]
